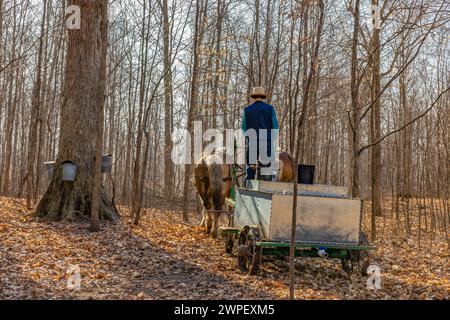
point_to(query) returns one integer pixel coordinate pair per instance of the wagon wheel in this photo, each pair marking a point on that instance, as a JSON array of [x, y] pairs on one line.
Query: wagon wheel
[[229, 238], [249, 254], [357, 260], [239, 172], [229, 243]]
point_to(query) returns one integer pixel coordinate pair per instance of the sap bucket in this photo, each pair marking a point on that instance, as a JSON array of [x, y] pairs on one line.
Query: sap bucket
[[106, 163], [69, 171], [49, 166]]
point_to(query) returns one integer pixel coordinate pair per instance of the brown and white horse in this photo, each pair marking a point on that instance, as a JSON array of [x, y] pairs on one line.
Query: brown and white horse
[[212, 179]]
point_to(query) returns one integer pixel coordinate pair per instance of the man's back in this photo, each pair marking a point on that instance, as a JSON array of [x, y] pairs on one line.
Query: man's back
[[259, 115]]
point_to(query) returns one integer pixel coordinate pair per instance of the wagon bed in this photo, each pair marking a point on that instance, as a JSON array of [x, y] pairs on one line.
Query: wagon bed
[[328, 224]]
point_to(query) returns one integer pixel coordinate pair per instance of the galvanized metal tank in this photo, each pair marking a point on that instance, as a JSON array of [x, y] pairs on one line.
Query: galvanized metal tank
[[325, 214]]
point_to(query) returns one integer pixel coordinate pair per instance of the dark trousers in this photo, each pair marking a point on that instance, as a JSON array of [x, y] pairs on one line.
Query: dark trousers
[[250, 173]]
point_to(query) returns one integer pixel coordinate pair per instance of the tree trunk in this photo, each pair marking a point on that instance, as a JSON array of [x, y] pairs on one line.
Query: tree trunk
[[375, 128], [168, 164], [135, 199], [193, 104], [97, 185], [83, 96], [354, 119], [35, 111], [299, 139]]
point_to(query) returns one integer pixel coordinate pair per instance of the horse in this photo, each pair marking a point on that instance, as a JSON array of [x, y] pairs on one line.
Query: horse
[[213, 181]]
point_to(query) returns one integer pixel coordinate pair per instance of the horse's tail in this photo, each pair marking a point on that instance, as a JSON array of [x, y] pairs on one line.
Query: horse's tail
[[216, 184]]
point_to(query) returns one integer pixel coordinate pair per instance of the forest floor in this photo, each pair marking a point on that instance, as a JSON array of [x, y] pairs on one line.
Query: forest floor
[[166, 259]]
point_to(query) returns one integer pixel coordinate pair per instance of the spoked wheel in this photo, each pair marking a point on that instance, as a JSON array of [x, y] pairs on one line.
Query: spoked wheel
[[357, 260], [229, 243], [249, 254], [239, 172]]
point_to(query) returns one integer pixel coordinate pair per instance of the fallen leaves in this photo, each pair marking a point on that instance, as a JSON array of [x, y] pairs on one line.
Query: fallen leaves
[[166, 259]]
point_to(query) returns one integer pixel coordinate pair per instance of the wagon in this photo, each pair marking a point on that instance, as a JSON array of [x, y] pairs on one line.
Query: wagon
[[328, 225]]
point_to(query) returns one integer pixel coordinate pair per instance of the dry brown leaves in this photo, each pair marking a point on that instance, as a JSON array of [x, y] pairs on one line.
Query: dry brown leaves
[[165, 259]]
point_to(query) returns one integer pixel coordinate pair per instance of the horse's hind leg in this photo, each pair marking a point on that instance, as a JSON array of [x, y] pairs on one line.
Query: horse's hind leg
[[215, 226], [209, 222], [203, 223]]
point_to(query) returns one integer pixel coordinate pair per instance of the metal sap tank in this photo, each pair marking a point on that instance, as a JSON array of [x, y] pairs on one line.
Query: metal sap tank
[[319, 219], [328, 218]]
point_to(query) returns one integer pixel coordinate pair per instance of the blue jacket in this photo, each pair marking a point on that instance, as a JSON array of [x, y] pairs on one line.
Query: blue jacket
[[260, 115]]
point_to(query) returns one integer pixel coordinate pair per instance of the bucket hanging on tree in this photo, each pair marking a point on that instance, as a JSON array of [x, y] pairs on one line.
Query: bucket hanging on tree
[[69, 171]]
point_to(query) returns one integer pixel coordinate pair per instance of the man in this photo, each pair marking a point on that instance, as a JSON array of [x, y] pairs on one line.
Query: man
[[259, 115]]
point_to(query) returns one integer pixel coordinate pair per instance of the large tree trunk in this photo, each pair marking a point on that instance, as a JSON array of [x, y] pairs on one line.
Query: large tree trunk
[[84, 89]]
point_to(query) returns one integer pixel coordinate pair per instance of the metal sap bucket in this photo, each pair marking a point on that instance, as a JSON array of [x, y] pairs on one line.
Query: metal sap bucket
[[69, 171], [106, 163], [50, 166]]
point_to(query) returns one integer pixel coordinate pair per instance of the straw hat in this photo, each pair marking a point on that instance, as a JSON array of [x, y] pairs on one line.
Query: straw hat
[[258, 92]]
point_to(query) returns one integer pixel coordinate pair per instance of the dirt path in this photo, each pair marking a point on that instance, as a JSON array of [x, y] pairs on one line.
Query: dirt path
[[165, 259]]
